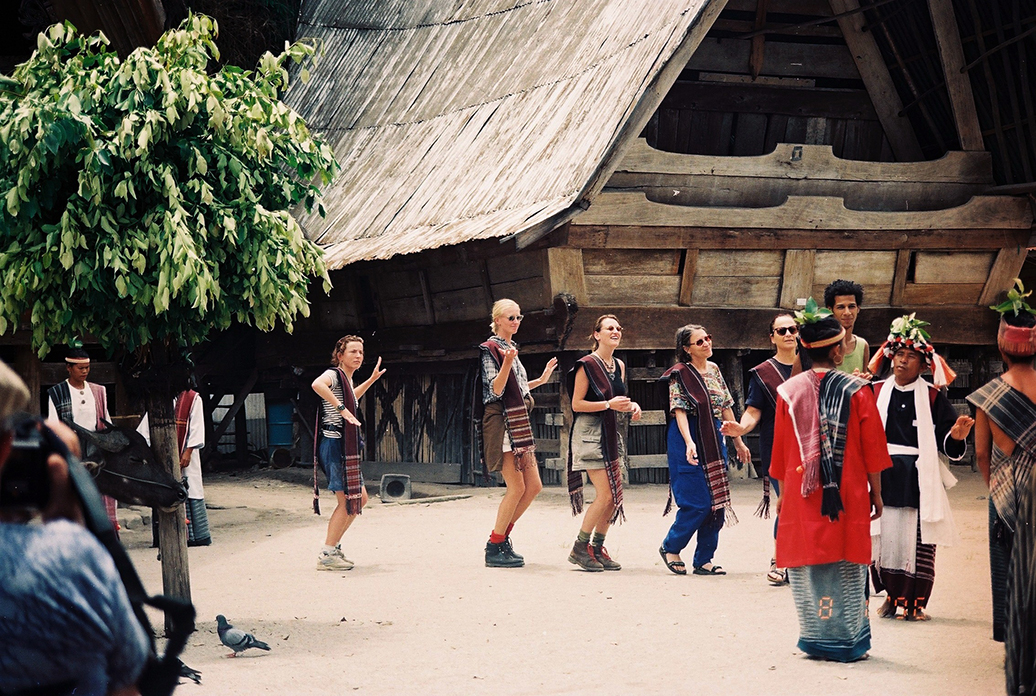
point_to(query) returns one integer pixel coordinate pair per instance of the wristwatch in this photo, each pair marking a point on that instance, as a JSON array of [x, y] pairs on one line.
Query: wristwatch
[[607, 405], [340, 407]]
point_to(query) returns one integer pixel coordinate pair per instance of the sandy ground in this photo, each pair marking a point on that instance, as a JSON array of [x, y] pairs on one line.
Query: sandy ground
[[421, 614]]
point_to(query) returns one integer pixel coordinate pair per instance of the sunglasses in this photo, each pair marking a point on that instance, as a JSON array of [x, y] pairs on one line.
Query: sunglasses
[[516, 317], [785, 330], [707, 338]]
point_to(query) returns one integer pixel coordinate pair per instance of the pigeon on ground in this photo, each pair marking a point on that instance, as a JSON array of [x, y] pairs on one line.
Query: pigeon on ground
[[236, 639]]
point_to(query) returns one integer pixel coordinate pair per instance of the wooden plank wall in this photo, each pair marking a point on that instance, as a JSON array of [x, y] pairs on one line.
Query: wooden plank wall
[[808, 90]]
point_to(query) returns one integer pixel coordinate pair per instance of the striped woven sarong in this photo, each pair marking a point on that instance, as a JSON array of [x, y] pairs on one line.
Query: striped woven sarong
[[831, 600]]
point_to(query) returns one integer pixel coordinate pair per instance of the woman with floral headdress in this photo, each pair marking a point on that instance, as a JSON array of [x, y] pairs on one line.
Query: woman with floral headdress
[[828, 453], [920, 424], [1005, 449]]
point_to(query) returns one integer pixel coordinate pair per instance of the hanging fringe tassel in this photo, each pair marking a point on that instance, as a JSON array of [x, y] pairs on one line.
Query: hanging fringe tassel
[[763, 510], [831, 503]]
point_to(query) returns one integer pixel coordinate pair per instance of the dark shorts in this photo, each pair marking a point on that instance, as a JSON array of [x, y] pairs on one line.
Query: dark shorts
[[331, 462]]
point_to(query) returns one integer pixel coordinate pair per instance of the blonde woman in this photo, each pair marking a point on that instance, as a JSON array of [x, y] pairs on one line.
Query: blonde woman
[[598, 388], [508, 445]]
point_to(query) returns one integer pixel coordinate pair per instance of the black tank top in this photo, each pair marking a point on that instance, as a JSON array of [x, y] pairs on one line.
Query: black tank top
[[618, 386]]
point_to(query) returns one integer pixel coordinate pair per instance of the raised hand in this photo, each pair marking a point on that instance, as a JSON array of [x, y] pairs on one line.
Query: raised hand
[[552, 365], [962, 427], [378, 372]]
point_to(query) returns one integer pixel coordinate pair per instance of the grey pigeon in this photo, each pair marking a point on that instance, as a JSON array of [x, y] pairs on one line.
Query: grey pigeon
[[236, 639]]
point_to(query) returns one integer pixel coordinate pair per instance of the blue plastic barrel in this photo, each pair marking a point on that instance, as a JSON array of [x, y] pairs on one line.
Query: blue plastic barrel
[[279, 425]]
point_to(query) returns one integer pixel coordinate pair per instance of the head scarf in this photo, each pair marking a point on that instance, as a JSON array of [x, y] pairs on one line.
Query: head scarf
[[907, 332], [77, 356]]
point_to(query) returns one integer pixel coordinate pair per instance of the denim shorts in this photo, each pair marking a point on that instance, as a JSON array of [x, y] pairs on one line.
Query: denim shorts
[[331, 463]]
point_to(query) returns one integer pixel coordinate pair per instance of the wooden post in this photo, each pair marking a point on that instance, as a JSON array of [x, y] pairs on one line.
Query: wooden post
[[876, 79], [799, 270], [565, 273], [690, 269], [958, 83], [1006, 267], [241, 437], [172, 526]]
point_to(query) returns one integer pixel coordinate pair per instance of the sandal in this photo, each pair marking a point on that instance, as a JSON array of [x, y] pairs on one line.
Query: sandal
[[711, 570], [678, 567], [777, 576]]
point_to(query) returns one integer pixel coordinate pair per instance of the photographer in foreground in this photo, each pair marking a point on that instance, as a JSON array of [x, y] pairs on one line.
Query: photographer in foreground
[[66, 623]]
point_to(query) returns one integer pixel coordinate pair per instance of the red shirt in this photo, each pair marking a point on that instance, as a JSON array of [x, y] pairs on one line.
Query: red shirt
[[804, 536]]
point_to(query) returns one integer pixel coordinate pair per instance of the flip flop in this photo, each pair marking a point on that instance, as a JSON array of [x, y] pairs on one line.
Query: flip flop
[[714, 570], [678, 567]]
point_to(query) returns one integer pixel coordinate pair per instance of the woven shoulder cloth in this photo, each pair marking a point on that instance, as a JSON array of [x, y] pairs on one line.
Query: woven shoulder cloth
[[182, 411], [710, 454], [771, 377], [516, 416]]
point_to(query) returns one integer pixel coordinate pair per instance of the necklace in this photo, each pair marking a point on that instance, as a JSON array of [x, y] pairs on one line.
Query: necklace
[[608, 364]]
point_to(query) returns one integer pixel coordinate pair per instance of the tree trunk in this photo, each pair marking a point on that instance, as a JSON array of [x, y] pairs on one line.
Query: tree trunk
[[172, 526]]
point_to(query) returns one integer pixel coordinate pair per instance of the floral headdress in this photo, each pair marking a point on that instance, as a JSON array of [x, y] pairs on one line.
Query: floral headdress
[[908, 331], [811, 314], [1016, 340]]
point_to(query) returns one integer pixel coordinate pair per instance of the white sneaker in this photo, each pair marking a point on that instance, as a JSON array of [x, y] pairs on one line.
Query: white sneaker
[[338, 552], [333, 561]]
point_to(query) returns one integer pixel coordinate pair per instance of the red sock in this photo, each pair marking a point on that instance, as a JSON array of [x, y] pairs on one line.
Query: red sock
[[495, 538], [509, 528]]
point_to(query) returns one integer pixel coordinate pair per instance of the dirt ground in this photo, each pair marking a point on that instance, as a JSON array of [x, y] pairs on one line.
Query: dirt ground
[[421, 614]]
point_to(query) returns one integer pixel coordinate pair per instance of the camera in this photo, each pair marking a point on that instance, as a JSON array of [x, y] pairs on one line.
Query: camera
[[24, 480]]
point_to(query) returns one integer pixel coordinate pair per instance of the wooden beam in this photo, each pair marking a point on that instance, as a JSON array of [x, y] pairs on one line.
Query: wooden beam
[[690, 269], [730, 238], [565, 273], [876, 78], [799, 270], [806, 212], [958, 83], [426, 295], [755, 61], [1006, 267], [800, 163], [755, 98], [899, 277]]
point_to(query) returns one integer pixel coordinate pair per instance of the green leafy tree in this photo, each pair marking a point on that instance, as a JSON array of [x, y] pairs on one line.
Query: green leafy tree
[[145, 202]]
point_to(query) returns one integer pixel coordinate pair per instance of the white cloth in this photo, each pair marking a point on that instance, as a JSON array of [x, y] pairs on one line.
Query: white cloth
[[195, 442], [937, 525], [84, 408]]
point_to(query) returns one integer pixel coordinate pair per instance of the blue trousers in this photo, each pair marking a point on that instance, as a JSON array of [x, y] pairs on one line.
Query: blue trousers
[[693, 500]]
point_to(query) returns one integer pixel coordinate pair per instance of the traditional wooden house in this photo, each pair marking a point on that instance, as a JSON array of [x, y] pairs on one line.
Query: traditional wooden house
[[672, 161], [688, 161]]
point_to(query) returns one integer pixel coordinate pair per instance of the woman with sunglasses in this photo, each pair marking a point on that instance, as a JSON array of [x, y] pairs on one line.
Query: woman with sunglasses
[[598, 388], [761, 409], [699, 401], [508, 445]]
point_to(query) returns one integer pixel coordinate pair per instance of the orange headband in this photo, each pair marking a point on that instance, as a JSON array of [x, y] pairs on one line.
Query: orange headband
[[824, 342]]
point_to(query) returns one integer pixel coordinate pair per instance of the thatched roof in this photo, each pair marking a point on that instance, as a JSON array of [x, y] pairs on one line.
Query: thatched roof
[[457, 121]]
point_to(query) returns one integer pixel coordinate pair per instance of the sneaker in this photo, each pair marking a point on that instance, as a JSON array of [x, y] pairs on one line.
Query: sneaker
[[600, 555], [333, 561], [583, 557], [509, 550], [338, 552], [497, 557]]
